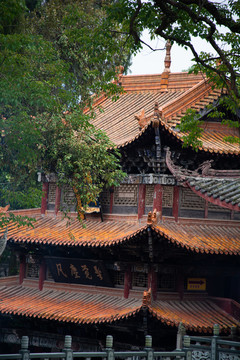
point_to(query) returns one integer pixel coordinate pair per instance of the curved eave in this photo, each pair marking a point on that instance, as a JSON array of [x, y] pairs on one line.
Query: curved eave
[[195, 315], [64, 306], [193, 239], [179, 136], [215, 201], [55, 233]]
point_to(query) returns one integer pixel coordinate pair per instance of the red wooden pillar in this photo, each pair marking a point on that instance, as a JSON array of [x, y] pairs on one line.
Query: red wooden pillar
[[42, 274], [22, 269], [57, 200], [157, 198], [111, 199], [175, 202], [152, 282], [44, 197], [141, 200], [127, 282]]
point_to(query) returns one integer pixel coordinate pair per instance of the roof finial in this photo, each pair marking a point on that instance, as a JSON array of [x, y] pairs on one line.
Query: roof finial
[[167, 61]]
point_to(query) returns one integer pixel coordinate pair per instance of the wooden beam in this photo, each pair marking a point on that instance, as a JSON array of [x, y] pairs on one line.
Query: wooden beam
[[141, 200], [175, 202], [206, 210], [44, 198]]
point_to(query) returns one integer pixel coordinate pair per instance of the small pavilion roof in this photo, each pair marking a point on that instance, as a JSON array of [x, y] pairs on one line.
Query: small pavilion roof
[[174, 93], [59, 304], [207, 238]]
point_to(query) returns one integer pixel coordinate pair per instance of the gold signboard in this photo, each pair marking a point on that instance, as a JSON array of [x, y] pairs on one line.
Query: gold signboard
[[196, 284]]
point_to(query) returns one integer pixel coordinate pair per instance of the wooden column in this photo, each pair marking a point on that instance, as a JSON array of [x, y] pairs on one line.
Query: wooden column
[[42, 274], [127, 282], [22, 269], [57, 200], [175, 202], [157, 198], [141, 200], [44, 198], [111, 199], [152, 282]]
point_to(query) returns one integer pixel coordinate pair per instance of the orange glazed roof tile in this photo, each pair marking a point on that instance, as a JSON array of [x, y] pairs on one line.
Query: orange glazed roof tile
[[213, 239], [64, 306], [196, 315], [59, 305], [142, 92], [48, 230]]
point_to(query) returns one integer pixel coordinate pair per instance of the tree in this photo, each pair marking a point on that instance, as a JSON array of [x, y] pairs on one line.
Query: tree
[[54, 56], [181, 21]]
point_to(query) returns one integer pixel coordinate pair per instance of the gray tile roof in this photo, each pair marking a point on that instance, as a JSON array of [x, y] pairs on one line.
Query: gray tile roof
[[227, 190]]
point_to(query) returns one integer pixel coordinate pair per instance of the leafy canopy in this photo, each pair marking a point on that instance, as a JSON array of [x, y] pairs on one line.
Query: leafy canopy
[[54, 56]]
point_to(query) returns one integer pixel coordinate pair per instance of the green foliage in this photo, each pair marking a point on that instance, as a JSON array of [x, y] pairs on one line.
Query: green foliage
[[53, 56], [191, 127], [19, 220]]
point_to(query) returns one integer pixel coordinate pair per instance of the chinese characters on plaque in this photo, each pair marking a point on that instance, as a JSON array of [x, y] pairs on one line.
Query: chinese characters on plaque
[[78, 271]]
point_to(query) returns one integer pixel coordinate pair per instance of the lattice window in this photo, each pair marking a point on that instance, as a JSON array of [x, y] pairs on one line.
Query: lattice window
[[190, 200], [140, 279], [125, 195], [118, 278], [105, 197], [149, 195], [167, 281], [167, 196], [52, 193], [68, 196]]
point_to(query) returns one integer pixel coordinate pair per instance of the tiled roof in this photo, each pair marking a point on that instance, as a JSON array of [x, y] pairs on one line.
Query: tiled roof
[[73, 307], [214, 239], [87, 307], [227, 191], [142, 92], [196, 315], [118, 119], [48, 230]]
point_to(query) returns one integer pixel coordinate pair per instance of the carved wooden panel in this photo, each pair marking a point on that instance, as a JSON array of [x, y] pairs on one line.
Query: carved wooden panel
[[125, 195], [190, 200], [52, 193], [105, 197], [149, 195], [167, 196]]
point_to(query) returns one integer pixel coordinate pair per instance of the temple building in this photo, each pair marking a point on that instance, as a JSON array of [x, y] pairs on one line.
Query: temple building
[[162, 249]]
